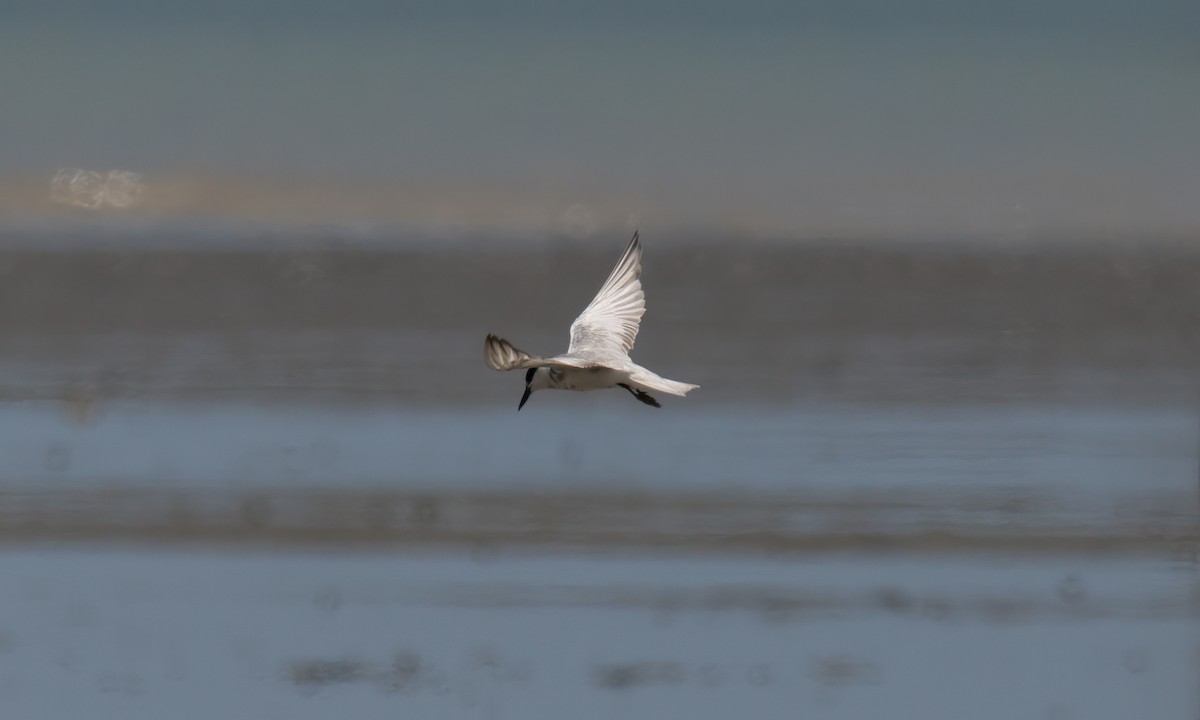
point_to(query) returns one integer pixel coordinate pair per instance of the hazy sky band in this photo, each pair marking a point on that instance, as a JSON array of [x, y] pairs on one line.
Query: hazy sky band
[[964, 113]]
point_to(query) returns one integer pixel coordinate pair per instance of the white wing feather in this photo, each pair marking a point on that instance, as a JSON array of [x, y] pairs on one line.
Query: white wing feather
[[645, 379], [608, 326]]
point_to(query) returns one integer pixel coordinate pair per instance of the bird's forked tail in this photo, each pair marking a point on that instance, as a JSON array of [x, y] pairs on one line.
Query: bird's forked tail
[[650, 381]]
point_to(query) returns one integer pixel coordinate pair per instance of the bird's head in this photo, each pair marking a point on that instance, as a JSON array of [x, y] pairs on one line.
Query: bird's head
[[535, 379]]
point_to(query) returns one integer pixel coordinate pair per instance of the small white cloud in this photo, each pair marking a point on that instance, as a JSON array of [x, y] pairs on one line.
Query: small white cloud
[[92, 190], [82, 188]]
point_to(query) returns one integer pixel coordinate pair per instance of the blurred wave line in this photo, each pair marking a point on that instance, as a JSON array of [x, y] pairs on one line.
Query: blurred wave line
[[784, 603], [878, 522]]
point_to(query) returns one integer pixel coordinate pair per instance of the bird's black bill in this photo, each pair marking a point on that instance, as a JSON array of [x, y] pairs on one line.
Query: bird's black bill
[[524, 397]]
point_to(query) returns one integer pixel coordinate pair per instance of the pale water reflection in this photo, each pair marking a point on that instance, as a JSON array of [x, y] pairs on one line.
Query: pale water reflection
[[566, 442], [144, 634]]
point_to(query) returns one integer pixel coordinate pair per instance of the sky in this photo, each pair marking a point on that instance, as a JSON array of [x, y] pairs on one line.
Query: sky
[[866, 116]]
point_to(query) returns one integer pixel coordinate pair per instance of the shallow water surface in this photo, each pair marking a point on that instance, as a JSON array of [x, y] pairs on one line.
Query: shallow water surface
[[148, 634]]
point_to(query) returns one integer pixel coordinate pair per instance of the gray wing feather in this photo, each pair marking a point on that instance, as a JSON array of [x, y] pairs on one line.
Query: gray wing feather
[[608, 326], [500, 354]]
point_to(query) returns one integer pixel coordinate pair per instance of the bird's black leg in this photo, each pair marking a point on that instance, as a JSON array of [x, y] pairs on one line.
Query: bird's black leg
[[642, 396]]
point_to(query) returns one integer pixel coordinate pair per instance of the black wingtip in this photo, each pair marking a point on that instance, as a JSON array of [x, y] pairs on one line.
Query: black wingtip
[[647, 398], [642, 395]]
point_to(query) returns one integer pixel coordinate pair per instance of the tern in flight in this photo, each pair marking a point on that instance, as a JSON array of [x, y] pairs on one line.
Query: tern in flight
[[601, 338]]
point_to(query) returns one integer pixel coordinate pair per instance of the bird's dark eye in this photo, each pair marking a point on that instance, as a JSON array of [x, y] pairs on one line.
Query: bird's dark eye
[[529, 375]]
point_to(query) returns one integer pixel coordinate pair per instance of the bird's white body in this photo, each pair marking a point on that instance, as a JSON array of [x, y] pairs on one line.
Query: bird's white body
[[569, 378], [601, 338]]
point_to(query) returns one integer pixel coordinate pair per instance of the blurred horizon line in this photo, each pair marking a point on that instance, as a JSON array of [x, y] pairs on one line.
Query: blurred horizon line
[[193, 203]]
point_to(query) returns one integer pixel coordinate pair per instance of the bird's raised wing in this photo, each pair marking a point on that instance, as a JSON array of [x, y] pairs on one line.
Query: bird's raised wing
[[500, 354], [609, 324]]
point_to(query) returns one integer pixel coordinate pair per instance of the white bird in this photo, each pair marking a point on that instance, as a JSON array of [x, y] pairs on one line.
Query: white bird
[[601, 338]]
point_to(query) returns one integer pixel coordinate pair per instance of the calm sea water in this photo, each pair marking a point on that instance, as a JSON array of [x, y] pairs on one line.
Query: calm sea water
[[562, 442]]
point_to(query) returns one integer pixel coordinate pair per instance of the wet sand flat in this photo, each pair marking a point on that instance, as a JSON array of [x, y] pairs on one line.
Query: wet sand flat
[[777, 322]]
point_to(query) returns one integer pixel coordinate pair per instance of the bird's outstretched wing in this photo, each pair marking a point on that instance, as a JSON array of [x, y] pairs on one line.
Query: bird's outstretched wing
[[500, 354], [608, 326]]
